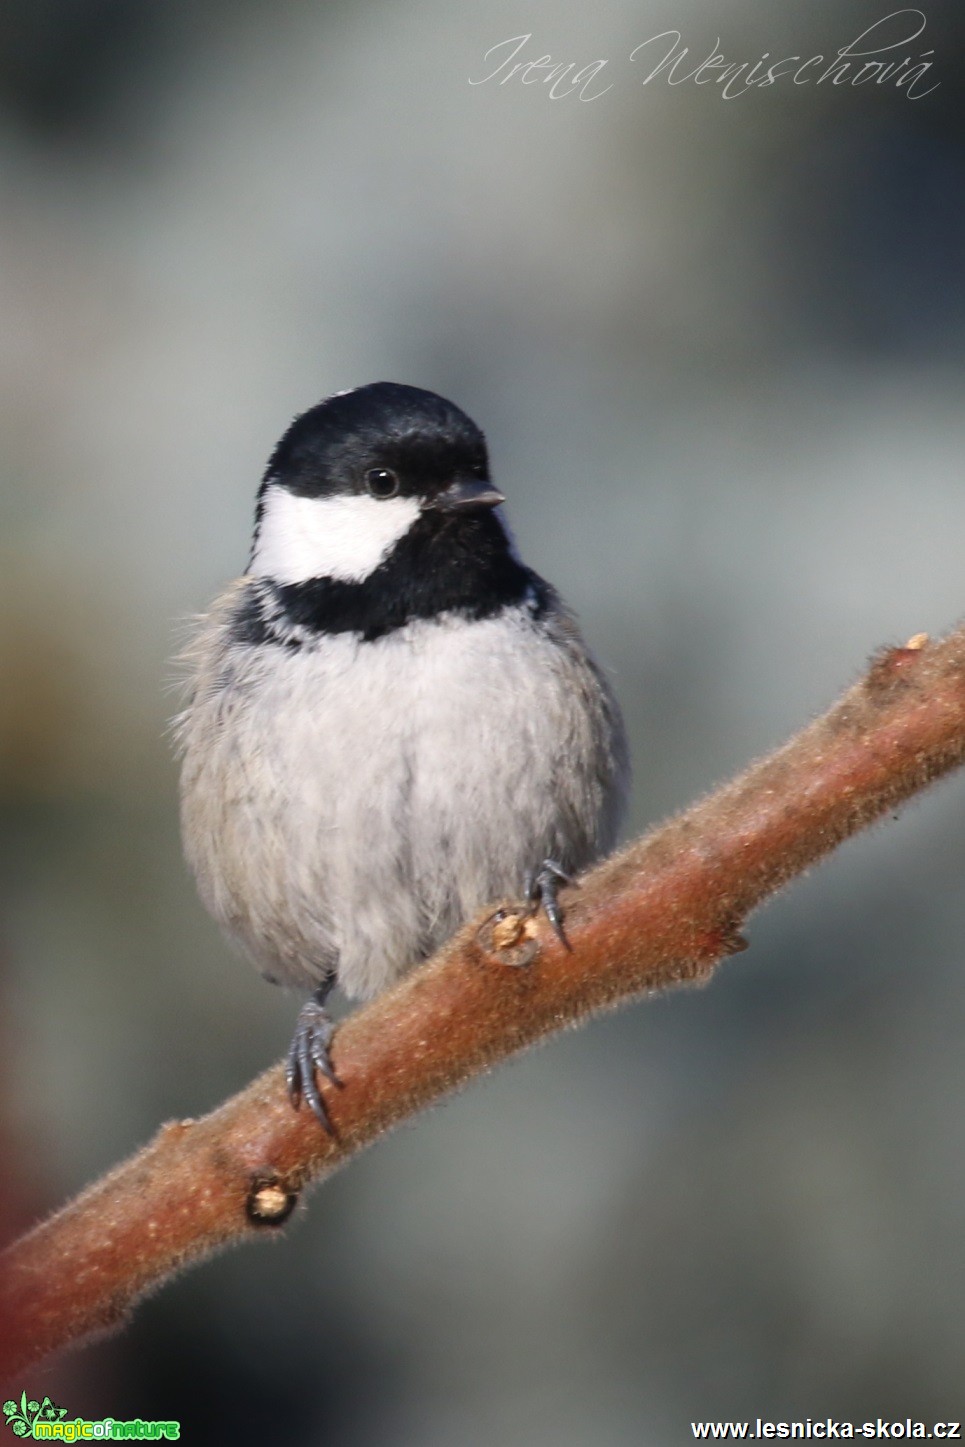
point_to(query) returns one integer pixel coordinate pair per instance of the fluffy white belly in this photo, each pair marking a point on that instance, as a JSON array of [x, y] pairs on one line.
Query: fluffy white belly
[[346, 806]]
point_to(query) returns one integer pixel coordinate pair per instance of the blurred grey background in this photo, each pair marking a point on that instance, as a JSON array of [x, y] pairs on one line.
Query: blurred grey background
[[717, 349]]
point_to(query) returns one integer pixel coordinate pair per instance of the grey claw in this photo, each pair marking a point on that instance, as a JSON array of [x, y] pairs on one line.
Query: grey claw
[[542, 886], [309, 1053]]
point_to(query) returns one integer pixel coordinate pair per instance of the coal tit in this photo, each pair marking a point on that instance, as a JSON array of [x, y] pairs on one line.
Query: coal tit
[[390, 720]]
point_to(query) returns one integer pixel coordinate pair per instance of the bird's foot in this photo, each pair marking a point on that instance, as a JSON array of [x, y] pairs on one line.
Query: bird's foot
[[542, 889], [308, 1052]]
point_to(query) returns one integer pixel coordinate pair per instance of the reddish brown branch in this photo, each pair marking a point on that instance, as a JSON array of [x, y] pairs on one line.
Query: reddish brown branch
[[663, 912]]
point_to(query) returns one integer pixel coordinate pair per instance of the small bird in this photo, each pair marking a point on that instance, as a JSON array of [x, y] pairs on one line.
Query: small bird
[[390, 719]]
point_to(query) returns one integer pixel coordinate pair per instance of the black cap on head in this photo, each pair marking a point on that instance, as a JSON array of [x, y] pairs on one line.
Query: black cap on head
[[421, 437]]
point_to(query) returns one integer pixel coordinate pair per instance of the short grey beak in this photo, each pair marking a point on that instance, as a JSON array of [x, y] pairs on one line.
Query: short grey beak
[[464, 494]]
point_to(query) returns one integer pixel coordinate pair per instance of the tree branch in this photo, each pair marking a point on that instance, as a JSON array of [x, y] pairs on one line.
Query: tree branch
[[663, 912]]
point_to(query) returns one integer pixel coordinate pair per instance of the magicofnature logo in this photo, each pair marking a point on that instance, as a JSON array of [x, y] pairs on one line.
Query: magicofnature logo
[[46, 1422]]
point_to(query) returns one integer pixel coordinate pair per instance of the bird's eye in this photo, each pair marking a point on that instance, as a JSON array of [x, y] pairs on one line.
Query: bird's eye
[[382, 483]]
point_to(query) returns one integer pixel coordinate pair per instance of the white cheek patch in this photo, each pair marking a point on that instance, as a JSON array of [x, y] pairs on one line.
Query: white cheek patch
[[327, 537]]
